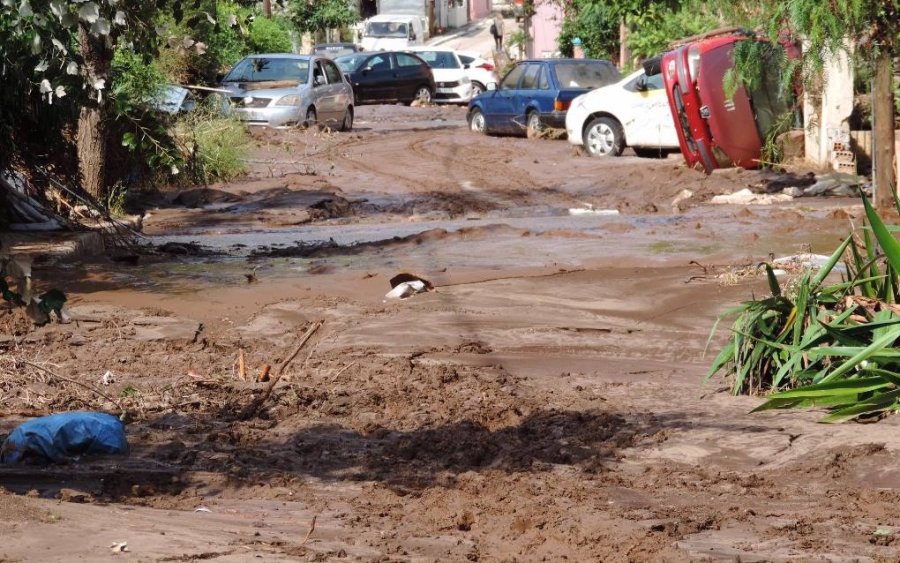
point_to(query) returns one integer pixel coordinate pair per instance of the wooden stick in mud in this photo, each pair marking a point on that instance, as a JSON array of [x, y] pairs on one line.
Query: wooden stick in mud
[[242, 372], [251, 409], [303, 340]]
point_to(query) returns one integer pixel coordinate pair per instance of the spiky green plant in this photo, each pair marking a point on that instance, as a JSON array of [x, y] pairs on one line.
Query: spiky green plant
[[829, 346]]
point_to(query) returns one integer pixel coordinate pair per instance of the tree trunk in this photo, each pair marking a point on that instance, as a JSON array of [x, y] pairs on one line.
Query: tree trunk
[[883, 116], [91, 124], [92, 151], [624, 53]]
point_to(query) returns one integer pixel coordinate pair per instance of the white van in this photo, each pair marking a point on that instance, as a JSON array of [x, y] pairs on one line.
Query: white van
[[392, 32]]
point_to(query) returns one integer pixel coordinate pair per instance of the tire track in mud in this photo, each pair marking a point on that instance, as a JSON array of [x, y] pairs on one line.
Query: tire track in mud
[[456, 179]]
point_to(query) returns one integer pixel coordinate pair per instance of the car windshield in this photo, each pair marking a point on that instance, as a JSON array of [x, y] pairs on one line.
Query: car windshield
[[439, 59], [585, 74], [386, 29], [350, 63], [262, 69]]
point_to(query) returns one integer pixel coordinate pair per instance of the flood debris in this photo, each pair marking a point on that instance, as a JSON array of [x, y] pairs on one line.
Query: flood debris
[[747, 197], [64, 438], [589, 209], [119, 547], [404, 285]]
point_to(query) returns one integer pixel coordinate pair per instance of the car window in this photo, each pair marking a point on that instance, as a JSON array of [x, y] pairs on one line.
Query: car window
[[439, 59], [261, 69], [386, 29], [407, 60], [511, 80], [318, 74], [466, 60], [530, 80], [586, 74], [332, 72], [351, 63], [379, 62], [544, 81], [654, 82]]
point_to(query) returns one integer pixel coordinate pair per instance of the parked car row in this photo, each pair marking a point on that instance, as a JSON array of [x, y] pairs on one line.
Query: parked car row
[[677, 100]]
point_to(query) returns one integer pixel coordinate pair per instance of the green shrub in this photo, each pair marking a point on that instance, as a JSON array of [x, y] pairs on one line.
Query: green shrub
[[270, 36], [213, 146]]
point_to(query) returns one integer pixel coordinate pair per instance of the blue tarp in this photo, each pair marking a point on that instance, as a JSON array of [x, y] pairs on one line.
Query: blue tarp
[[63, 437]]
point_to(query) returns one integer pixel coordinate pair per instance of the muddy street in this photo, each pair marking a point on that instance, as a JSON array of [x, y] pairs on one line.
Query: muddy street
[[543, 403]]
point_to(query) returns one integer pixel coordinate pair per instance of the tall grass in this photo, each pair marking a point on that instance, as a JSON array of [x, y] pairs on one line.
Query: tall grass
[[213, 146], [824, 345]]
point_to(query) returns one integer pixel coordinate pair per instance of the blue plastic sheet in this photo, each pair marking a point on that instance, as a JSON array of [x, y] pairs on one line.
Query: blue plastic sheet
[[64, 437]]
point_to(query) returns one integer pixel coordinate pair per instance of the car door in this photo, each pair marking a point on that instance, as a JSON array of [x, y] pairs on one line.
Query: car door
[[499, 106], [647, 119], [374, 80], [322, 98], [529, 95], [411, 73], [338, 91]]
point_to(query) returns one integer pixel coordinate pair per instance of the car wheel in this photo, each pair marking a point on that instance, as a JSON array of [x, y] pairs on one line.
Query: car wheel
[[312, 118], [476, 122], [533, 125], [477, 88], [603, 136], [422, 95], [347, 122]]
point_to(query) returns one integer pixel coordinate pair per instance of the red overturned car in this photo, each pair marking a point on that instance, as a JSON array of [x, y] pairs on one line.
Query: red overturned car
[[715, 130]]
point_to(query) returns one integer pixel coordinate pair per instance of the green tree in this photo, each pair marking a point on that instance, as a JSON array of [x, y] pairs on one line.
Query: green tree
[[320, 15]]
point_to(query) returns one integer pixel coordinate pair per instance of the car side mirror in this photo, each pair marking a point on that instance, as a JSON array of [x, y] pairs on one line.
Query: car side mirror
[[641, 85], [412, 36], [466, 67], [491, 86]]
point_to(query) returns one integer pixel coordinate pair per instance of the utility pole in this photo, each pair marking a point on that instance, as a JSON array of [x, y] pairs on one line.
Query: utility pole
[[883, 132], [267, 8]]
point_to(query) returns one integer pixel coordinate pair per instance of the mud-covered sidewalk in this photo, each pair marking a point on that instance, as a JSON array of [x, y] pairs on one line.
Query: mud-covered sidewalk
[[543, 403]]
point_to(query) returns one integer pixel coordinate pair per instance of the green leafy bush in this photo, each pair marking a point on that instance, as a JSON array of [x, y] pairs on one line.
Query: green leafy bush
[[270, 35], [831, 346]]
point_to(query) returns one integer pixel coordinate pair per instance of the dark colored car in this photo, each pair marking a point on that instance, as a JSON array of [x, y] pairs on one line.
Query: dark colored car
[[334, 50], [388, 76], [535, 94], [715, 130]]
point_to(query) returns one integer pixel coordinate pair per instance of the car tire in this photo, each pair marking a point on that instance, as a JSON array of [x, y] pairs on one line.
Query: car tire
[[347, 122], [533, 126], [312, 118], [477, 123], [604, 136], [423, 95], [477, 88]]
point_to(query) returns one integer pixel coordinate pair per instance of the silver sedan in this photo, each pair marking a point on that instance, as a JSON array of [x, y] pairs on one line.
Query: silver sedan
[[281, 90]]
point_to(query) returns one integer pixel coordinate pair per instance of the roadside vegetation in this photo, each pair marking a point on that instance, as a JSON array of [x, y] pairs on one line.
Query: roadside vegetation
[[816, 343], [82, 82]]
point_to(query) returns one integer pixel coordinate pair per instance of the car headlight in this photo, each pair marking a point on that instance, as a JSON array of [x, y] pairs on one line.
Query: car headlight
[[289, 100]]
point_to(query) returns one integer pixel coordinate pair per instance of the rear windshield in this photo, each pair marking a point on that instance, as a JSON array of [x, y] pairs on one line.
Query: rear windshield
[[585, 74], [386, 29], [261, 69], [439, 59]]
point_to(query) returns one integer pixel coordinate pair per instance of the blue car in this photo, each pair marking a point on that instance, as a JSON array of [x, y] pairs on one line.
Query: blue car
[[535, 94]]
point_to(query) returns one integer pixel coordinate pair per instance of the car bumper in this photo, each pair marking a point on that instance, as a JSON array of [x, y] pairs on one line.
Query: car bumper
[[272, 116], [555, 120], [454, 95], [575, 119]]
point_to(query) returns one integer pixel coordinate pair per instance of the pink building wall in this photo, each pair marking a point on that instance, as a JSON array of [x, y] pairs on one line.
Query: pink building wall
[[545, 27], [479, 9]]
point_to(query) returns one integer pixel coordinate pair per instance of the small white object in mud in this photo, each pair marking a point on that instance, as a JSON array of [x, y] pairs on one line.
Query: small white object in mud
[[202, 509], [589, 209], [404, 285], [802, 261], [405, 289], [108, 377], [119, 547], [747, 197]]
